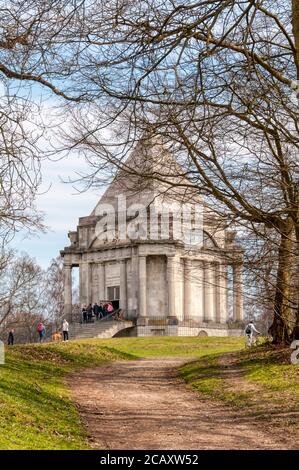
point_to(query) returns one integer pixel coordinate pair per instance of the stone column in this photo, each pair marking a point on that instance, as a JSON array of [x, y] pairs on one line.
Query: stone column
[[81, 300], [238, 314], [89, 282], [199, 311], [142, 287], [187, 289], [85, 283], [223, 290], [94, 283], [132, 283], [209, 285], [172, 267], [123, 284], [101, 282], [67, 268]]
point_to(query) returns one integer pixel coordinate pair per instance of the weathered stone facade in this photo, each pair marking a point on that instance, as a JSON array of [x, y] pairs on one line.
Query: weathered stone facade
[[160, 278]]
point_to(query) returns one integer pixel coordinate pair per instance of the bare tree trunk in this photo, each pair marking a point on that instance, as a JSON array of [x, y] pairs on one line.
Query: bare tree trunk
[[295, 24], [283, 322], [296, 329]]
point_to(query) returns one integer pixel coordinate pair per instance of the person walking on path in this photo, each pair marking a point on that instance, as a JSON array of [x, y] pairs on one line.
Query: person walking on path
[[11, 337], [65, 330], [41, 331], [249, 331]]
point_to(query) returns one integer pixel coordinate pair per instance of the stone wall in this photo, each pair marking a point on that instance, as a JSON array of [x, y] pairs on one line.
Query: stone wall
[[173, 330]]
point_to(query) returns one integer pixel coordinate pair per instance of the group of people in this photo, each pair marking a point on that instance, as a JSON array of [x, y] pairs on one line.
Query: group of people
[[97, 311], [65, 331], [41, 330], [103, 310]]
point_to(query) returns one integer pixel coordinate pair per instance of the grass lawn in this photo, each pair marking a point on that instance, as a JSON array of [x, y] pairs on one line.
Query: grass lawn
[[175, 346], [36, 411], [261, 382]]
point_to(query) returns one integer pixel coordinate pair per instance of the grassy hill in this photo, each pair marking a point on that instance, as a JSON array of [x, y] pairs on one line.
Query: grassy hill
[[36, 410], [259, 383]]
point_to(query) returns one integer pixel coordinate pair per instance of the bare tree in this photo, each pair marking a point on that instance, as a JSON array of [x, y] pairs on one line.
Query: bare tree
[[39, 43], [55, 291], [216, 81], [22, 287]]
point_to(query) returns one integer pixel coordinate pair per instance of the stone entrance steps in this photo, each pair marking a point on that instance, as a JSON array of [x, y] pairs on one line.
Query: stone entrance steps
[[98, 329]]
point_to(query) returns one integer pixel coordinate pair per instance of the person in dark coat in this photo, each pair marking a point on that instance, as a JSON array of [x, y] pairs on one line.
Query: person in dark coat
[[11, 338], [89, 313], [84, 314], [96, 311], [102, 310]]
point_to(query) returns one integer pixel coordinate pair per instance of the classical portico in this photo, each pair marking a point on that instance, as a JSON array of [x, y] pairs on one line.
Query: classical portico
[[191, 290], [166, 286]]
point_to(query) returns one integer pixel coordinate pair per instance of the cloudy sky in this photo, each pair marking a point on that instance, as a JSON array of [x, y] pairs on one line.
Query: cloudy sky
[[62, 206]]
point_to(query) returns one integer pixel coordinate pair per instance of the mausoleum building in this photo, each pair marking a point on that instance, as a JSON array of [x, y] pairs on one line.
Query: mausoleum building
[[154, 248]]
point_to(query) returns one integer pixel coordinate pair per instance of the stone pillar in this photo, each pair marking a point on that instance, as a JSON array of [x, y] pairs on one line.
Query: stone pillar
[[94, 283], [85, 283], [172, 267], [187, 289], [209, 285], [199, 311], [132, 283], [67, 268], [142, 287], [123, 284], [238, 314], [223, 290], [81, 300], [89, 282], [101, 282]]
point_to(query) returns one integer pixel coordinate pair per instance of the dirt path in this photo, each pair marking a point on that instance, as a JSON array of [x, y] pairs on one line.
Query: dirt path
[[144, 405]]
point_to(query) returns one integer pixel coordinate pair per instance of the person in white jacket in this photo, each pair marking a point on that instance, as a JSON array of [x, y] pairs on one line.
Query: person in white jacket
[[249, 331], [65, 330]]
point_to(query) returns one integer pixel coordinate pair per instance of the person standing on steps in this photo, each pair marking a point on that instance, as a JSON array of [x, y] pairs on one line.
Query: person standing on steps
[[96, 311], [110, 308], [11, 337], [249, 331], [65, 330], [101, 310], [84, 314], [89, 313]]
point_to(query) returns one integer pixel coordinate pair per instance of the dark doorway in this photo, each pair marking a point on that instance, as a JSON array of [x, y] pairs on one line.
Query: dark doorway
[[113, 296]]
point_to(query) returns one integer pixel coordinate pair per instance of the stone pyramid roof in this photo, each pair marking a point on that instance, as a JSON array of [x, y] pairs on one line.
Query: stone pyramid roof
[[149, 176]]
